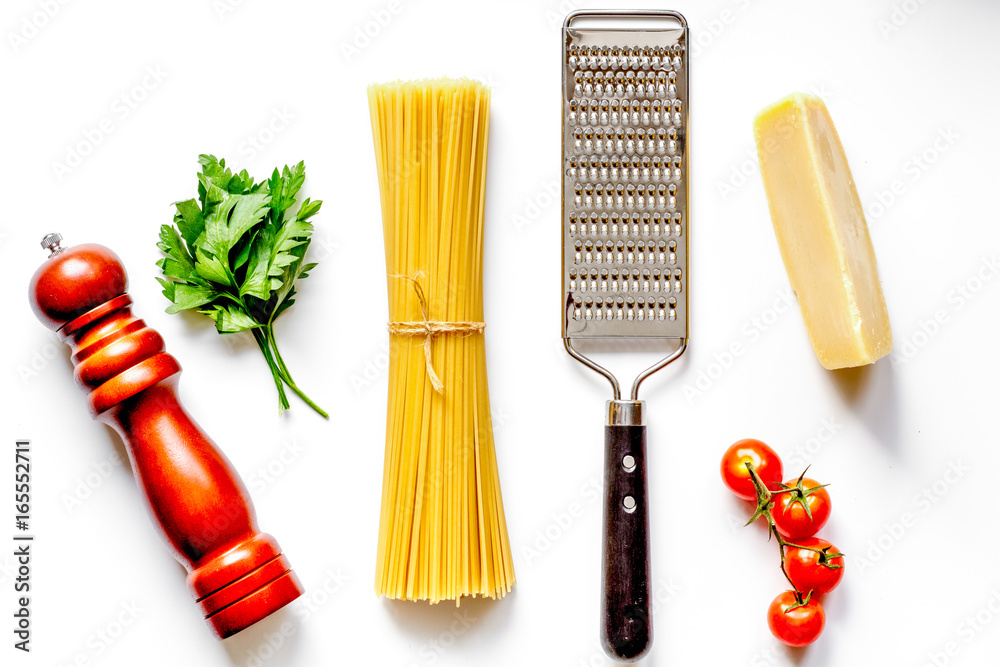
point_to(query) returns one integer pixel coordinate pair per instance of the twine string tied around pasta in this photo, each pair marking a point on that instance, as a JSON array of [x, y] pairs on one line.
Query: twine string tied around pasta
[[429, 328]]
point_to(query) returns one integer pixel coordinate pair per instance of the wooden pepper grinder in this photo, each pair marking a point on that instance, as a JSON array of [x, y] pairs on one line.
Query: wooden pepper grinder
[[237, 574]]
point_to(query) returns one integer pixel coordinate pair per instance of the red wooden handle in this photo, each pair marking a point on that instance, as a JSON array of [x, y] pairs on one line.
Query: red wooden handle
[[237, 574]]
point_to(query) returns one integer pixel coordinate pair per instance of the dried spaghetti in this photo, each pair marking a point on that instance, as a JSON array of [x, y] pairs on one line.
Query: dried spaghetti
[[442, 532]]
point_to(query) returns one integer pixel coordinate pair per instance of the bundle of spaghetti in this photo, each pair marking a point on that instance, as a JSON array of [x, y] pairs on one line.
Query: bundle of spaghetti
[[442, 531]]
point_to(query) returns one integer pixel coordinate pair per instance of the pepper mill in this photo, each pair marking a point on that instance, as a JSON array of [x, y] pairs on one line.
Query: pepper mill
[[237, 574]]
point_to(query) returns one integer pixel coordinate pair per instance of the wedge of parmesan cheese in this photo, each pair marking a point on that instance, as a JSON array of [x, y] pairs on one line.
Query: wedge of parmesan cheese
[[822, 232]]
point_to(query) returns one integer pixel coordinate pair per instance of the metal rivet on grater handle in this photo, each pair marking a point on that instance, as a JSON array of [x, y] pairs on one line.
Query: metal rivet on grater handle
[[624, 268]]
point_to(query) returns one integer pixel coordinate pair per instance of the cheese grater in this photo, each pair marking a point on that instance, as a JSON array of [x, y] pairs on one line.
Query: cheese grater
[[624, 272]]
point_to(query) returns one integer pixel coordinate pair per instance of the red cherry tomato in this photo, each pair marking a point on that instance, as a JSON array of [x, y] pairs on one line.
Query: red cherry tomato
[[809, 570], [792, 519], [765, 461], [798, 626]]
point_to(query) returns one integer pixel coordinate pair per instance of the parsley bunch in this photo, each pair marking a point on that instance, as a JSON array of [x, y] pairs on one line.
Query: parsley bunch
[[235, 252]]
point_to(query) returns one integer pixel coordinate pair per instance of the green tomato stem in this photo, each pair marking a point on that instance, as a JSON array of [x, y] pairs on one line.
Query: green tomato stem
[[763, 510], [781, 550]]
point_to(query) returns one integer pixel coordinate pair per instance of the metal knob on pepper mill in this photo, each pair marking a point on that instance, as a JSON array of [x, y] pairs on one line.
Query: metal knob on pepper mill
[[237, 574]]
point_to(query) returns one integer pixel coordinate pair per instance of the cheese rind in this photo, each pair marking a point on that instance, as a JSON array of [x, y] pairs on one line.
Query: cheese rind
[[821, 232]]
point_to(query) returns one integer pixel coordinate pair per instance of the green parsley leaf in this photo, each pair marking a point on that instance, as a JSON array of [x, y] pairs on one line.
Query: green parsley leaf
[[190, 296]]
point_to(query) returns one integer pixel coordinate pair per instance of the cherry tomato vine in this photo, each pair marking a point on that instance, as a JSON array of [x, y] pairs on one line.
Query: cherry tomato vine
[[793, 511], [765, 507]]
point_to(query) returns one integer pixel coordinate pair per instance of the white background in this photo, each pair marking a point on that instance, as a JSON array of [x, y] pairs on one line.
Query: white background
[[917, 80]]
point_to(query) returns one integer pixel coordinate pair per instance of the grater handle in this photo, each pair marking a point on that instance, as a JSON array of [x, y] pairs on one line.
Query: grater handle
[[626, 633], [612, 14]]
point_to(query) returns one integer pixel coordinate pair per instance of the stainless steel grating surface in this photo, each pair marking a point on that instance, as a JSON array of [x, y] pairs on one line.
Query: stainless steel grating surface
[[625, 180]]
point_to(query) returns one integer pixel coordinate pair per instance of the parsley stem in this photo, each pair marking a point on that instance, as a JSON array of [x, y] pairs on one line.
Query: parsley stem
[[262, 343], [285, 375]]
